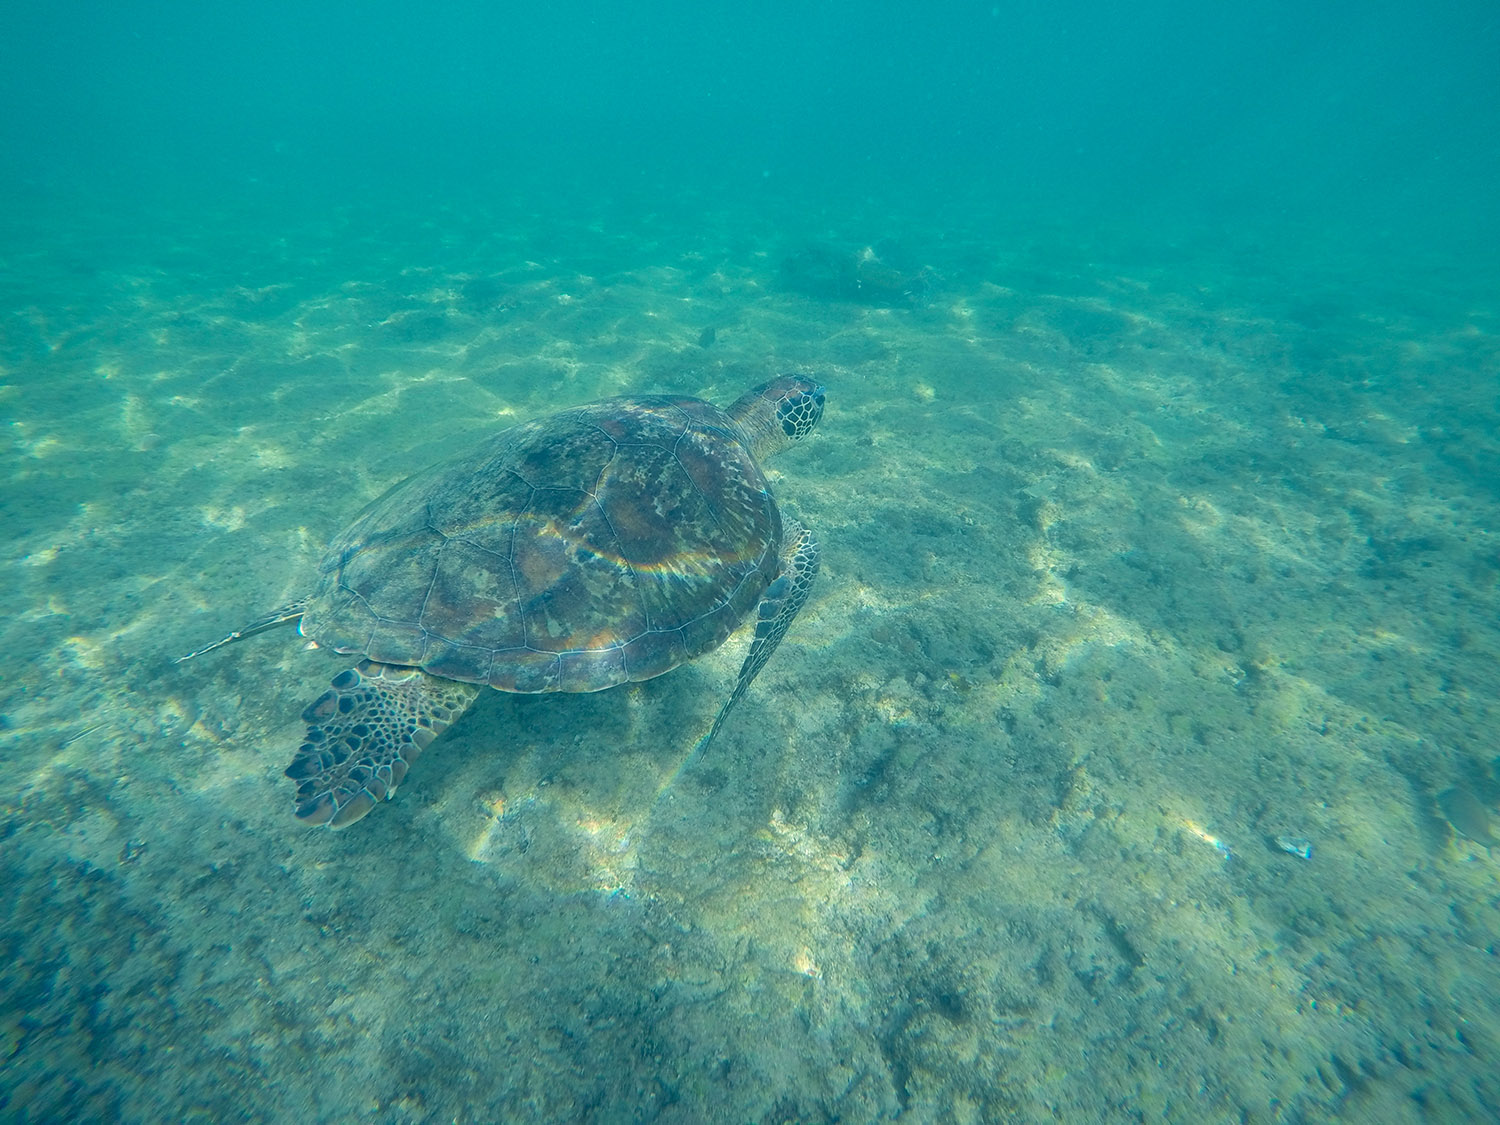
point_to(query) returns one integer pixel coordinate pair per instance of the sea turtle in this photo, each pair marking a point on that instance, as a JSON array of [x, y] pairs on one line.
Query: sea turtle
[[593, 547]]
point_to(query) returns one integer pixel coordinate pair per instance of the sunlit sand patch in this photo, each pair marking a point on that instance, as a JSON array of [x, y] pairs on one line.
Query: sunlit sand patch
[[610, 852], [81, 749], [39, 448], [790, 913], [481, 849], [85, 652], [802, 962], [1051, 589], [259, 293], [225, 519], [274, 457], [1200, 515], [174, 717], [386, 402], [53, 606], [869, 597], [894, 713], [1108, 628], [1073, 459], [1093, 627], [401, 316], [601, 845], [1390, 429], [1281, 539], [794, 840], [135, 425], [439, 295]]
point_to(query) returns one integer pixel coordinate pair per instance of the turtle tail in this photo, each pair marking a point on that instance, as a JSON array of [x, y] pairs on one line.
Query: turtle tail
[[363, 735]]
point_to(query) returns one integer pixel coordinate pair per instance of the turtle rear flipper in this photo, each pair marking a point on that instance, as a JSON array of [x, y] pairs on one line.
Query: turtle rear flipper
[[363, 735], [291, 612], [782, 600]]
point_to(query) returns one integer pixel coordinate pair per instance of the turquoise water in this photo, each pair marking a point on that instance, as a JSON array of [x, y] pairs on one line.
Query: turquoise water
[[1134, 757]]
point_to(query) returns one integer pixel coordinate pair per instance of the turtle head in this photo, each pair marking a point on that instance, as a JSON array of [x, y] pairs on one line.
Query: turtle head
[[775, 414]]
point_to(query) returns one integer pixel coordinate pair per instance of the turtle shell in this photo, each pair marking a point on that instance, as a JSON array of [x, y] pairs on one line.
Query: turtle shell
[[600, 545]]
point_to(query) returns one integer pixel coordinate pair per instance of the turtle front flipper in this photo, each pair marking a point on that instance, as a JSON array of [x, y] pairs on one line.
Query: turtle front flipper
[[363, 735], [780, 603]]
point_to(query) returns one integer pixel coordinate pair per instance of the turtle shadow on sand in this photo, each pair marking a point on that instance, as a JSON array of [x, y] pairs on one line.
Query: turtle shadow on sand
[[881, 274]]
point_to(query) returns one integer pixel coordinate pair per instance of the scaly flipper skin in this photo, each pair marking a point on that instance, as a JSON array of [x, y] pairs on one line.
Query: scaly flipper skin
[[783, 598], [364, 733]]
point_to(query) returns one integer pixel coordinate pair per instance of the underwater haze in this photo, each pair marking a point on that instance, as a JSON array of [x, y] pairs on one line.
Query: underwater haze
[[1133, 757]]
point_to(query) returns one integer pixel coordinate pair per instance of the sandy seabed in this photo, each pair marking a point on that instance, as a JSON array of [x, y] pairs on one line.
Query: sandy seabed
[[1139, 558]]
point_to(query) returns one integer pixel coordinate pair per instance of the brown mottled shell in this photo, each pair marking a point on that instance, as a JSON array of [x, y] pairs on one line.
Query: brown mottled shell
[[600, 545]]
